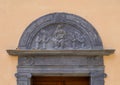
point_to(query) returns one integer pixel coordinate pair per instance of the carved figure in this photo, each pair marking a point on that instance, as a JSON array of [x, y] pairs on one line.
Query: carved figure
[[37, 41], [78, 37], [59, 36], [42, 40], [60, 39]]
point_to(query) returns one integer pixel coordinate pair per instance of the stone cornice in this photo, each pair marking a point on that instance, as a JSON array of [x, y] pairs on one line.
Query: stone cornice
[[95, 52]]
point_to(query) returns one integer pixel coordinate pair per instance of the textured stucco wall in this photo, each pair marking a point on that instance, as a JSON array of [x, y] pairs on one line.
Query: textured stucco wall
[[16, 15]]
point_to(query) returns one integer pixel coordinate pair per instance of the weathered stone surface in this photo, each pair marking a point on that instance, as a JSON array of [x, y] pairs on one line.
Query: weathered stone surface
[[81, 52], [60, 60], [60, 31], [23, 78], [97, 78]]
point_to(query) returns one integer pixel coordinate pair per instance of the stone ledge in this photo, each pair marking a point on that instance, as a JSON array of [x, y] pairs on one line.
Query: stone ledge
[[96, 52]]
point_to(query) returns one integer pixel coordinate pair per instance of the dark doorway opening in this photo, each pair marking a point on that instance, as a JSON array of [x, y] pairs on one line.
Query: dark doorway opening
[[50, 80]]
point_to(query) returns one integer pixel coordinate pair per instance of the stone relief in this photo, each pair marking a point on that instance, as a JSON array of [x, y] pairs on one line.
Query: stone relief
[[26, 61], [61, 60], [60, 36], [59, 31], [78, 38], [43, 40]]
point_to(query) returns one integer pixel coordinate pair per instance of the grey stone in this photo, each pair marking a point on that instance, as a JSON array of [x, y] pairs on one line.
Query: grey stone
[[68, 33], [60, 31], [80, 52]]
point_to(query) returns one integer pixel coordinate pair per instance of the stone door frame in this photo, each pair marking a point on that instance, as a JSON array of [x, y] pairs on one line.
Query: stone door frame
[[33, 62], [96, 78]]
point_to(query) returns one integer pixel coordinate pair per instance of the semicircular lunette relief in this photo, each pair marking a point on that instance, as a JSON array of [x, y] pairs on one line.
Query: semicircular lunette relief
[[61, 36], [57, 31]]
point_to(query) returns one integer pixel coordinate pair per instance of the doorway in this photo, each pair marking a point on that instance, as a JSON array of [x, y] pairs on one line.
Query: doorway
[[37, 80]]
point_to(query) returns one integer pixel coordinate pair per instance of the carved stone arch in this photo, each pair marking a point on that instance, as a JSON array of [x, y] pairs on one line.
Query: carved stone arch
[[65, 45], [71, 22]]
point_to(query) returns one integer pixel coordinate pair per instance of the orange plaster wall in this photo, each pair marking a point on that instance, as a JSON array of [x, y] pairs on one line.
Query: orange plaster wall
[[16, 15]]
